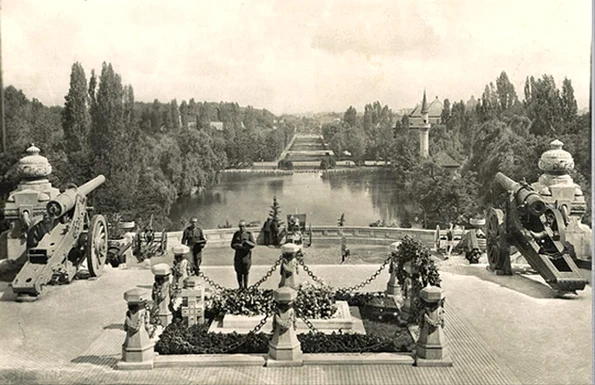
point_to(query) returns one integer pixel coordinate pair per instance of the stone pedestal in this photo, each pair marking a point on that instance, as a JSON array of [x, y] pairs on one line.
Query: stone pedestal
[[392, 287], [284, 348], [193, 301], [289, 265], [558, 189], [138, 348], [161, 293], [407, 292], [431, 345]]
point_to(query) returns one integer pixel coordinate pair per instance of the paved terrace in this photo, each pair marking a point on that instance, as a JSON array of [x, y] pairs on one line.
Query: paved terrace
[[500, 330]]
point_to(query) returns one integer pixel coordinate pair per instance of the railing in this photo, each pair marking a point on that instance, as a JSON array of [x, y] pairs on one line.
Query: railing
[[354, 234]]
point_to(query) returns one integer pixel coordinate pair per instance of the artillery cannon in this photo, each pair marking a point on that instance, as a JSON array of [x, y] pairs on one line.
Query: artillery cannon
[[61, 241], [537, 230], [147, 243]]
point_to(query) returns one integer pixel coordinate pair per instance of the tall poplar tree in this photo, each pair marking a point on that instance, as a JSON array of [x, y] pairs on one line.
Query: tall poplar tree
[[76, 120]]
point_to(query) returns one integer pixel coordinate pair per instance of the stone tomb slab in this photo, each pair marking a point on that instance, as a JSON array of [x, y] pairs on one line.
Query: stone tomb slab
[[347, 319]]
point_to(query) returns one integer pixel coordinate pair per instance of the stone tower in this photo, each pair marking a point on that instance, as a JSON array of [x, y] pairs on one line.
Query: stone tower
[[424, 129]]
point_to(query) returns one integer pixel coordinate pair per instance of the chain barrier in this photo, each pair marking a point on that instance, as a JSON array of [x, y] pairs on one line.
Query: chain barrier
[[309, 324], [254, 286], [368, 280], [211, 282], [255, 330], [267, 275], [345, 289], [311, 274]]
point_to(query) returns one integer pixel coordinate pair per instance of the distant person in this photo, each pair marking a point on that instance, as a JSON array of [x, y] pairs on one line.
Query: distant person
[[449, 242], [345, 252], [194, 238], [243, 243], [267, 232], [274, 232]]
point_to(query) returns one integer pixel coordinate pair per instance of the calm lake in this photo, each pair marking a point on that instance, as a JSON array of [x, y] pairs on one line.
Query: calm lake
[[364, 196]]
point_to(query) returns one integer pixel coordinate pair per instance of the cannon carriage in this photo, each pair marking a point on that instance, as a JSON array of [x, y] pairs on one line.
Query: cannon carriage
[[53, 235], [537, 230], [149, 243]]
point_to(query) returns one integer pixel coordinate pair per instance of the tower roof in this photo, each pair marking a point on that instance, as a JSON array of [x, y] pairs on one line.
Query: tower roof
[[434, 109], [424, 104]]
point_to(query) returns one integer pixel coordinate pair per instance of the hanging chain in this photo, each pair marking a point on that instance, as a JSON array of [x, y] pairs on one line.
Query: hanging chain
[[254, 331], [267, 275], [254, 286], [309, 324], [311, 274], [211, 282], [346, 289], [367, 281]]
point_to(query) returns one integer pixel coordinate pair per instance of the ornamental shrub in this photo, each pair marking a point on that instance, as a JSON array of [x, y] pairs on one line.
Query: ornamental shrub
[[180, 339], [315, 302], [241, 302], [424, 268]]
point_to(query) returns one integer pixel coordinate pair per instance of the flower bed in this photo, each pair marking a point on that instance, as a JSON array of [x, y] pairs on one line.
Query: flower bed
[[311, 302], [378, 314]]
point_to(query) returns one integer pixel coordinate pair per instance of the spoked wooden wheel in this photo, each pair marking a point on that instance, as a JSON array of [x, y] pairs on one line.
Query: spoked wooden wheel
[[163, 246], [556, 221], [497, 244], [97, 245]]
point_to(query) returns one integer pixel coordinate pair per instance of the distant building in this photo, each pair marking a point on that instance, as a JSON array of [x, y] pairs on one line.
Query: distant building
[[471, 103], [434, 111], [447, 162]]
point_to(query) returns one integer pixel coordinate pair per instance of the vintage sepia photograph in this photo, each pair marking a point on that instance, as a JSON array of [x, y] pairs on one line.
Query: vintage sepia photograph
[[296, 192]]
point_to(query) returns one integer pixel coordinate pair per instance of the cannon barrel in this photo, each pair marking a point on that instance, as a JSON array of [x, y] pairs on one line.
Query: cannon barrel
[[523, 194], [66, 201]]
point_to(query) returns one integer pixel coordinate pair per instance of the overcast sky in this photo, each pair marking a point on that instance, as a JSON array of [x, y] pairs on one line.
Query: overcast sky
[[296, 56]]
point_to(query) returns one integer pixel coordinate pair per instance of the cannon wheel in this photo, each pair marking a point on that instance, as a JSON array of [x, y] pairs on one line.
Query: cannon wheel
[[97, 245], [163, 246], [558, 226], [497, 244]]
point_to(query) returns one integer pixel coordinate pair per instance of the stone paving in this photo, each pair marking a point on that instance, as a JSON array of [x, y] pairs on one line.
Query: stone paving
[[500, 330]]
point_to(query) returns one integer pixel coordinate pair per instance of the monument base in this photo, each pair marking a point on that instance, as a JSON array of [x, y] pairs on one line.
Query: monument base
[[347, 319], [122, 365]]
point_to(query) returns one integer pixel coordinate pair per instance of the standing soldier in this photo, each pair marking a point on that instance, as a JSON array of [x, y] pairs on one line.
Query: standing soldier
[[194, 238], [242, 242]]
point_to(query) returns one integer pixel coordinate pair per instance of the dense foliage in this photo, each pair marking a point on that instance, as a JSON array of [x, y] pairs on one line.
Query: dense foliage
[[497, 132], [177, 338], [150, 153], [424, 271], [311, 302]]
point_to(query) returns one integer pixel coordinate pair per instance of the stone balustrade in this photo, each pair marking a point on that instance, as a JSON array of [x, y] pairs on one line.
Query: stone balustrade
[[354, 234]]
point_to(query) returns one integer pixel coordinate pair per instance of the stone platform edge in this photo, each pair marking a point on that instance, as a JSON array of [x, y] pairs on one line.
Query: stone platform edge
[[221, 360]]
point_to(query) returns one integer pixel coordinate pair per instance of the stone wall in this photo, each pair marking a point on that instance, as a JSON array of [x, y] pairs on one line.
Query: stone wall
[[324, 234]]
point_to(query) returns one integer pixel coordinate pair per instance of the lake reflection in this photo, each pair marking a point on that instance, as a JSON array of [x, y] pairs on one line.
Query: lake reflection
[[364, 197]]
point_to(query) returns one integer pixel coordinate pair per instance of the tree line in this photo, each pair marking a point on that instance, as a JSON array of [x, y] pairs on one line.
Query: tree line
[[150, 153], [499, 132]]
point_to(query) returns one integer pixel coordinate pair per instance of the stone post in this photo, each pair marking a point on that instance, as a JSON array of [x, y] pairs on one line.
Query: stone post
[[284, 348], [289, 265], [407, 292], [431, 345], [161, 292], [392, 288], [138, 348], [193, 301]]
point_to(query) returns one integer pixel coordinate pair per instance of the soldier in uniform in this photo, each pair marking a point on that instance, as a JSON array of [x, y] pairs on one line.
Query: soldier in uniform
[[194, 238], [242, 242]]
